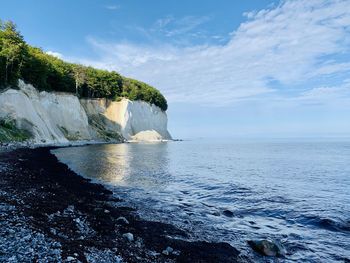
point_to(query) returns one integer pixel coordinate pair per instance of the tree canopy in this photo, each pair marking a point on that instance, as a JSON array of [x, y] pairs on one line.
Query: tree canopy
[[18, 60]]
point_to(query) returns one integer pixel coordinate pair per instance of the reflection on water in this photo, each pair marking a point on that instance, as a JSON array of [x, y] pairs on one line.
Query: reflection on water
[[120, 164], [225, 191]]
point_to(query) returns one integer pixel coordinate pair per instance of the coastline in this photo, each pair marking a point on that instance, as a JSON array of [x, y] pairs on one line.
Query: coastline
[[78, 220], [10, 146]]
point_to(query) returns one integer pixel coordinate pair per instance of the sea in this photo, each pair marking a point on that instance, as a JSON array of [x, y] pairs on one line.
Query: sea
[[296, 192]]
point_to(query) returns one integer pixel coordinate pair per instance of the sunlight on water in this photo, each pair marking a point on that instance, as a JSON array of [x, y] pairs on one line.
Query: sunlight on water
[[295, 192]]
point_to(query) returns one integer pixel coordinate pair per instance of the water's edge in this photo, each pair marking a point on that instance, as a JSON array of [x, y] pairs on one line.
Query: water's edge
[[80, 218], [233, 192]]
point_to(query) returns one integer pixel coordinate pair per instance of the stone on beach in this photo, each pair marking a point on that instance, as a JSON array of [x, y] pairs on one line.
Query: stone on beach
[[267, 247], [62, 215], [122, 220], [167, 251], [129, 237]]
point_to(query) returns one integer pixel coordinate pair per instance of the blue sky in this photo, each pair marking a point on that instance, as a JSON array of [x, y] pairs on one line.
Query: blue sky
[[252, 68]]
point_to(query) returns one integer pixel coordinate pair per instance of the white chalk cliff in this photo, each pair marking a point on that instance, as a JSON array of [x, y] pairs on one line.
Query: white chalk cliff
[[53, 117], [136, 120]]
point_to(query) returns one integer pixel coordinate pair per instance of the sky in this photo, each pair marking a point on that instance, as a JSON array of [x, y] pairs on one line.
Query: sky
[[253, 68]]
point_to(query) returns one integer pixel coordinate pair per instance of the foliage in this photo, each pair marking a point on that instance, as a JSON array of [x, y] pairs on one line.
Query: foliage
[[136, 90], [19, 60], [9, 132], [12, 53]]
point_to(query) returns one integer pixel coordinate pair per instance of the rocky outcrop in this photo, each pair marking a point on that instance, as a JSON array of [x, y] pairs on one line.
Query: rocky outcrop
[[62, 117], [136, 120]]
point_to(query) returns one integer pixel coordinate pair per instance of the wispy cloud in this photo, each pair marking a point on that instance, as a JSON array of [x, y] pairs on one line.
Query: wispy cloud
[[112, 7], [290, 44], [171, 26], [327, 94]]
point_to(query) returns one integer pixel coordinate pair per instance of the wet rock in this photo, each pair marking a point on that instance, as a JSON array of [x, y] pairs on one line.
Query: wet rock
[[69, 210], [167, 251], [267, 247], [228, 213], [13, 259], [122, 220], [138, 244], [53, 231], [98, 256], [153, 253], [69, 259], [129, 237]]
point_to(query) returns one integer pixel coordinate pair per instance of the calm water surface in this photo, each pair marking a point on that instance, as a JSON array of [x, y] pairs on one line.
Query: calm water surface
[[295, 192]]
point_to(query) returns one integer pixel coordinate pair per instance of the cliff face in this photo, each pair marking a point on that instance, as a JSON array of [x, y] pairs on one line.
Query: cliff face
[[136, 120], [60, 117]]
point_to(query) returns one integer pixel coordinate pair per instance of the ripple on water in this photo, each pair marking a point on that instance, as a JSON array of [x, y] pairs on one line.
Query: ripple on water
[[330, 224], [225, 191]]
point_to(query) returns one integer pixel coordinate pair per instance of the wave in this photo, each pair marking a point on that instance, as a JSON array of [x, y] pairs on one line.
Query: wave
[[327, 223]]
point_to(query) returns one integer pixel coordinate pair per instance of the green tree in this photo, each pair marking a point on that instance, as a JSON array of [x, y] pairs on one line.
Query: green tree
[[36, 68], [80, 77], [12, 52]]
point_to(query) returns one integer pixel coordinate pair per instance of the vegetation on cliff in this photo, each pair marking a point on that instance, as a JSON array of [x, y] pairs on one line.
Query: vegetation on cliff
[[18, 60], [10, 133]]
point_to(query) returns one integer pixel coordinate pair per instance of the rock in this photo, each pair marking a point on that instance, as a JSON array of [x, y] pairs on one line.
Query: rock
[[268, 248], [153, 253], [69, 258], [106, 211], [228, 213], [122, 220], [136, 121], [69, 209], [13, 258], [138, 244], [53, 231], [167, 251], [129, 237]]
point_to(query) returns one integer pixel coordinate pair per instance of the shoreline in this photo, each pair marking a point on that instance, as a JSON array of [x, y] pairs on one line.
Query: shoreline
[[10, 146], [80, 221]]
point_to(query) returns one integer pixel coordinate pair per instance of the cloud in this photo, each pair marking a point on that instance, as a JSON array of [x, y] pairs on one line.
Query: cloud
[[171, 26], [112, 7], [328, 93], [55, 54], [274, 50]]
